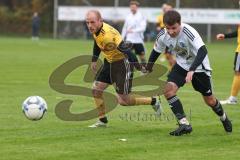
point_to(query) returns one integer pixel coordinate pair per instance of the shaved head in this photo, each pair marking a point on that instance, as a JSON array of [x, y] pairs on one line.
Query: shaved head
[[94, 13], [94, 21]]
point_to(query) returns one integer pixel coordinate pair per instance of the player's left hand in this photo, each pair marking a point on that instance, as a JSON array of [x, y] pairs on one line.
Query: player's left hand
[[94, 67], [189, 76], [143, 70], [137, 66]]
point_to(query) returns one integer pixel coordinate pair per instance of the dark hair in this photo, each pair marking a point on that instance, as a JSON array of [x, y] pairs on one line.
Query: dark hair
[[171, 17]]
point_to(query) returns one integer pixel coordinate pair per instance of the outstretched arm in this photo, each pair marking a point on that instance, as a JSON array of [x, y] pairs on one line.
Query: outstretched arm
[[231, 35], [222, 36], [152, 59], [131, 57]]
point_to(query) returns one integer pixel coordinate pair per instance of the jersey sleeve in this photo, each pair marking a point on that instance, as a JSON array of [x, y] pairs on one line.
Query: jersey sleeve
[[231, 35], [194, 38], [159, 46], [198, 43], [96, 52]]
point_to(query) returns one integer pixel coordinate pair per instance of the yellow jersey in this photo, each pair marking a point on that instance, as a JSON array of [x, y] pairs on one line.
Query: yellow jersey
[[238, 39], [160, 21], [108, 40]]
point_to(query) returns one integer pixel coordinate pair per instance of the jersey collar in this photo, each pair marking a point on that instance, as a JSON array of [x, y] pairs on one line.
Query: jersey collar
[[97, 33]]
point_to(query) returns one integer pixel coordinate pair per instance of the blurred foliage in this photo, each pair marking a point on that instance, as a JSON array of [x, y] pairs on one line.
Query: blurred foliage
[[158, 3], [16, 15]]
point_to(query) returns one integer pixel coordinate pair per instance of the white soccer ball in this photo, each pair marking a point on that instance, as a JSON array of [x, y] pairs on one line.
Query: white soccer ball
[[34, 107]]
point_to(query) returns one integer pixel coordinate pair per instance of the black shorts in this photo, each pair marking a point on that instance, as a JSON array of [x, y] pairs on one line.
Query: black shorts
[[138, 48], [201, 82], [119, 73], [237, 62]]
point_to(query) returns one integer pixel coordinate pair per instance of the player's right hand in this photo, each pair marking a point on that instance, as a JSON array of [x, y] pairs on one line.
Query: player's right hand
[[220, 36], [94, 67], [189, 76], [149, 67], [138, 66]]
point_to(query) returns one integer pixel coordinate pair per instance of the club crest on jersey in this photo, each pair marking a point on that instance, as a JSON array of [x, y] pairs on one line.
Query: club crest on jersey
[[110, 46], [182, 45], [181, 51]]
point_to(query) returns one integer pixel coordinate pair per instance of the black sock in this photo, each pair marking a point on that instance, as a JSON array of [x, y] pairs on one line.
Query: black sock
[[218, 109], [176, 107], [104, 120], [153, 101]]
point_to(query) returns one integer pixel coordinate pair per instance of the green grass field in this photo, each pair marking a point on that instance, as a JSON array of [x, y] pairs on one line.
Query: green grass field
[[25, 68]]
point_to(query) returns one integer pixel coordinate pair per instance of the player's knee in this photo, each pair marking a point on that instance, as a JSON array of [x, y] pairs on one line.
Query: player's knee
[[210, 101], [122, 102], [170, 90]]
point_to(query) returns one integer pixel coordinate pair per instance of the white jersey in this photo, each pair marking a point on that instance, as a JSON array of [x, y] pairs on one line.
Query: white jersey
[[137, 23], [185, 46]]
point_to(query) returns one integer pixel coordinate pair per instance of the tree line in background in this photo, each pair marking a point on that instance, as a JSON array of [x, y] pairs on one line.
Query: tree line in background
[[16, 15], [158, 3]]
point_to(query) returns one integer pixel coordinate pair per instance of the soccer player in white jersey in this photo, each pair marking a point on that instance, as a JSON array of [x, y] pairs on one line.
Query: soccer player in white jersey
[[192, 65], [133, 30]]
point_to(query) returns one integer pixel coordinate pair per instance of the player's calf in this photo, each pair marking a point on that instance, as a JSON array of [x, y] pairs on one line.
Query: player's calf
[[177, 108], [217, 108], [133, 100]]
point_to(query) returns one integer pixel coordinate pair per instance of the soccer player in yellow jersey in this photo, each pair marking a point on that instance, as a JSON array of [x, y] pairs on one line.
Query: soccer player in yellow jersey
[[160, 25], [236, 80], [115, 70]]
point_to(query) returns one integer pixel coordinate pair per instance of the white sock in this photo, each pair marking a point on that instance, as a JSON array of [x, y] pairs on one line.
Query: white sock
[[184, 121], [223, 117]]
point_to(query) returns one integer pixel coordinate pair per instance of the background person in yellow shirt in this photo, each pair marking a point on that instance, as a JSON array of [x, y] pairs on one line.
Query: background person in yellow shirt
[[236, 79], [165, 7], [160, 25]]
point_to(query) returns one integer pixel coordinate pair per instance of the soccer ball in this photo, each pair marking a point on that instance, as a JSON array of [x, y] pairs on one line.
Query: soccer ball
[[34, 107]]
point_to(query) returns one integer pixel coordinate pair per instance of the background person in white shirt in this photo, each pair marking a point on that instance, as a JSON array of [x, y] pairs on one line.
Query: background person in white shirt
[[133, 30], [192, 65]]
